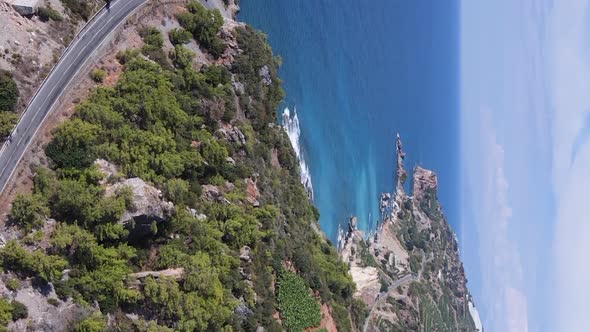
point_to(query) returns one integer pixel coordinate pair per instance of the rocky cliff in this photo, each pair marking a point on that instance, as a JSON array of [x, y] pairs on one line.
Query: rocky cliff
[[409, 274]]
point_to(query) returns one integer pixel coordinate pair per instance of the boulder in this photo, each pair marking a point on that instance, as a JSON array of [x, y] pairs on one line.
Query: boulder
[[149, 205]]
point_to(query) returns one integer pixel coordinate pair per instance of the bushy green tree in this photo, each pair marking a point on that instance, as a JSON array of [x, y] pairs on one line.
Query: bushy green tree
[[96, 322], [29, 211], [72, 144], [182, 57], [179, 36], [8, 92], [7, 121], [204, 25], [178, 191], [5, 312], [152, 38], [19, 310], [36, 264]]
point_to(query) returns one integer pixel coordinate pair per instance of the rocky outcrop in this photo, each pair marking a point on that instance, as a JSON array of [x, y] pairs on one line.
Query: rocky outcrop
[[425, 183], [176, 273], [264, 73], [42, 315], [147, 200], [411, 263], [252, 193], [212, 193], [232, 134], [401, 174]]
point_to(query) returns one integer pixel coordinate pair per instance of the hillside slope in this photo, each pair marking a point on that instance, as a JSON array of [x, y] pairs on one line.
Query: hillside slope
[[172, 201], [409, 273]]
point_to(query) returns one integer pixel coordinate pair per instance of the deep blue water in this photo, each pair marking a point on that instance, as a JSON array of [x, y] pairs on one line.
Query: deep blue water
[[357, 72]]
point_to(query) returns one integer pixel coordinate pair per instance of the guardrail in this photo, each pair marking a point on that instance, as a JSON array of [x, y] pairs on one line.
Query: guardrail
[[62, 55]]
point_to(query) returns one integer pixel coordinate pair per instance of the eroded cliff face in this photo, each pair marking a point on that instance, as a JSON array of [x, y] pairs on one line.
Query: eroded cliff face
[[409, 272]]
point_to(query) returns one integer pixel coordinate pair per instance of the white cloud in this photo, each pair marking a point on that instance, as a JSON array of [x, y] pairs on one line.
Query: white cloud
[[571, 177], [502, 272]]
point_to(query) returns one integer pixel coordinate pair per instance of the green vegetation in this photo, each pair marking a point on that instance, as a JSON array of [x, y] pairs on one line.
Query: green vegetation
[[5, 313], [19, 310], [13, 284], [8, 92], [53, 301], [7, 121], [165, 124], [182, 57], [29, 211], [15, 258], [47, 13], [11, 310], [152, 38], [297, 306], [367, 259], [93, 323], [98, 75], [80, 8], [204, 25], [179, 36]]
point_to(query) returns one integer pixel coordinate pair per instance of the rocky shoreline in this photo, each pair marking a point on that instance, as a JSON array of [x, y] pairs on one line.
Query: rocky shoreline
[[410, 265]]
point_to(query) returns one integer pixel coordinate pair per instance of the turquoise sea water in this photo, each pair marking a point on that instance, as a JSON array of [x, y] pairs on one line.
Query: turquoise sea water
[[357, 72]]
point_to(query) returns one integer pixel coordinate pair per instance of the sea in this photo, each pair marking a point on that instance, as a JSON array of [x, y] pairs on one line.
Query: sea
[[356, 73]]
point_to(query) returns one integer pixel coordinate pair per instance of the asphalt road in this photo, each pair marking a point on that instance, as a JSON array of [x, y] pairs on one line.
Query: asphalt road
[[75, 57], [383, 296]]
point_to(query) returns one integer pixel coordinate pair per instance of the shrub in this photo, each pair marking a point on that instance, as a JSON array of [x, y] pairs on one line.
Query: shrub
[[93, 323], [53, 301], [79, 7], [5, 312], [28, 211], [98, 75], [8, 92], [19, 310], [177, 190], [181, 56], [47, 13], [125, 56], [13, 284], [296, 304], [179, 36], [152, 38], [7, 121], [204, 25]]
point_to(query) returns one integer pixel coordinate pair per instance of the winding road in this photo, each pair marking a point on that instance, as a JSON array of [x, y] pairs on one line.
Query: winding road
[[91, 38], [383, 296]]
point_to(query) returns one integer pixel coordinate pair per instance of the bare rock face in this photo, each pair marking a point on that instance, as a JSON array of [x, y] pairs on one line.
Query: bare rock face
[[211, 192], [402, 175], [146, 198], [43, 316], [425, 183], [252, 192], [264, 73], [175, 273], [232, 134], [149, 205]]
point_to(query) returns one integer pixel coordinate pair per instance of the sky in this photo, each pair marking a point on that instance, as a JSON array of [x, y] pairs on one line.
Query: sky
[[525, 161]]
